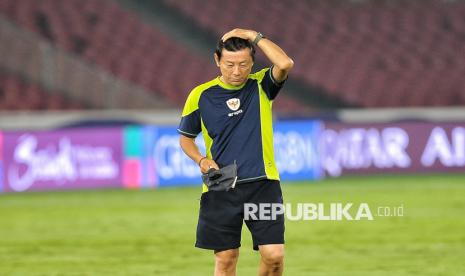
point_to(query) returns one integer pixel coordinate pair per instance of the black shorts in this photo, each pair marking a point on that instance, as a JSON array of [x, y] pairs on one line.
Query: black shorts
[[222, 213]]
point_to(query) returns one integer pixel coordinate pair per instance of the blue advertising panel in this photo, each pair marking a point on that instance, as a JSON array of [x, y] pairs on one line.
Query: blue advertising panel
[[295, 144], [296, 150], [171, 165]]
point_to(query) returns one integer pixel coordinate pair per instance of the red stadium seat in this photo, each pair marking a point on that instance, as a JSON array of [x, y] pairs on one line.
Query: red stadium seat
[[19, 94], [335, 44], [117, 41], [369, 53]]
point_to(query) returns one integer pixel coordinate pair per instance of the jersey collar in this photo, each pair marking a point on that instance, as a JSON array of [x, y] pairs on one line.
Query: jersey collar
[[228, 86]]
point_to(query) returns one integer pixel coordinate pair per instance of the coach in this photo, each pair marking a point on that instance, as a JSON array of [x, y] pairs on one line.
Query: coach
[[233, 112]]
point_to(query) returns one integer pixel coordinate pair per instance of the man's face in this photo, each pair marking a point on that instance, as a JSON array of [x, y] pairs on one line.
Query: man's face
[[235, 66]]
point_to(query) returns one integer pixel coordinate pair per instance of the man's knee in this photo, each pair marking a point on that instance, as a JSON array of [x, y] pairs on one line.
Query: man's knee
[[226, 260], [274, 259], [273, 256]]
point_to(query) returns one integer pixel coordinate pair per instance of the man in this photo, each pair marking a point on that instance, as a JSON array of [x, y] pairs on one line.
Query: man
[[233, 112]]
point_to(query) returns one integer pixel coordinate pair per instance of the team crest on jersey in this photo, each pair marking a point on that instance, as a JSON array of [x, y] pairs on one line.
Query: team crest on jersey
[[233, 104]]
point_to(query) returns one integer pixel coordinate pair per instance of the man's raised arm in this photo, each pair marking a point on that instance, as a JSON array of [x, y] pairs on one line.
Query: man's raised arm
[[282, 63]]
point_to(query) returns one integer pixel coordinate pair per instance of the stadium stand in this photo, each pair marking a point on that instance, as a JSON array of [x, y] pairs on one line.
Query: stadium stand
[[368, 53], [115, 39], [18, 94], [33, 58]]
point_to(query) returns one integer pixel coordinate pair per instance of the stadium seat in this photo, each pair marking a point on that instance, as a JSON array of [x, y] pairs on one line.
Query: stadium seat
[[105, 34], [357, 50], [19, 94]]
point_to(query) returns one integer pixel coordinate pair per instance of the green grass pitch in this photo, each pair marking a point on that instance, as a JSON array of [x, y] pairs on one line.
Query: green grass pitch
[[152, 232]]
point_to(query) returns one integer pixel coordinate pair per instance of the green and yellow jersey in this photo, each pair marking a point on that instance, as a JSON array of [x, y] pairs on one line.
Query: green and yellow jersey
[[236, 123]]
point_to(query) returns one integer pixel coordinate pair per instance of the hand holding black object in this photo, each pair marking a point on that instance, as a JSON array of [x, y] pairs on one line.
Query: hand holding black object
[[214, 174], [223, 179], [207, 164]]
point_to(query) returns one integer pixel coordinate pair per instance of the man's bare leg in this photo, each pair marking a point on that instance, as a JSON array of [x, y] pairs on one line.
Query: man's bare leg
[[226, 261], [272, 260]]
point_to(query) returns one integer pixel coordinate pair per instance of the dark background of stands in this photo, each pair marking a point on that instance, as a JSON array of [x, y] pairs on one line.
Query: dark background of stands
[[348, 54]]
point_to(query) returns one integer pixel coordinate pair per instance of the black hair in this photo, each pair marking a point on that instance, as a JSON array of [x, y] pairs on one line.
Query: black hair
[[234, 44]]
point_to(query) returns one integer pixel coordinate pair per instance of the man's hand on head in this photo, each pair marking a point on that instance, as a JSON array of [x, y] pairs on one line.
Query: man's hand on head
[[241, 33]]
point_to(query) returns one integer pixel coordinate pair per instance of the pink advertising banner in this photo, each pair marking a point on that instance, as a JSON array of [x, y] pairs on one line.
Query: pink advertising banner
[[63, 159], [1, 162], [392, 148]]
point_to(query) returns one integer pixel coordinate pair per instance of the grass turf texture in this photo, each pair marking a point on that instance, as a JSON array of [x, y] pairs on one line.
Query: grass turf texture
[[152, 232]]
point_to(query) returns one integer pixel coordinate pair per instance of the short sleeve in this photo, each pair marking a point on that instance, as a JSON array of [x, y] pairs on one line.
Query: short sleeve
[[270, 85], [190, 125]]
